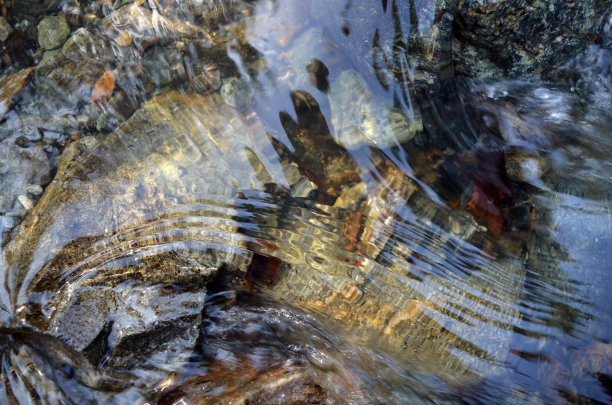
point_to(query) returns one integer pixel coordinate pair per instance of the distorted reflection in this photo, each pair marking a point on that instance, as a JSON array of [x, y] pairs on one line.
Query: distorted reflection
[[305, 202]]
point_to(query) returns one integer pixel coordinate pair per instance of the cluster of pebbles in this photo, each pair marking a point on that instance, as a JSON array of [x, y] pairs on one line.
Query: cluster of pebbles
[[54, 59]]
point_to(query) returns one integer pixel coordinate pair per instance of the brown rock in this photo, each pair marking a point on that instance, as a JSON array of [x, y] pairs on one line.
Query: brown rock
[[13, 85], [124, 38], [103, 88], [324, 162], [283, 384]]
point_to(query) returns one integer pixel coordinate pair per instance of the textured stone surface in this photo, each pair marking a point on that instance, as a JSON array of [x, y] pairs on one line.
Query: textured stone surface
[[283, 384], [5, 29], [115, 261], [69, 74], [52, 32], [87, 287], [525, 38]]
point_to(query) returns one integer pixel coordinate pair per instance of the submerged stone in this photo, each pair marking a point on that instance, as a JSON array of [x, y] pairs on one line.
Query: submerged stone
[[116, 261], [283, 384], [11, 86], [52, 32], [359, 117], [146, 26], [5, 29], [96, 287], [73, 70]]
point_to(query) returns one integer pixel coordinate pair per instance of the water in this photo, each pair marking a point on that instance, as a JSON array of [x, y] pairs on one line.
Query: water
[[305, 202]]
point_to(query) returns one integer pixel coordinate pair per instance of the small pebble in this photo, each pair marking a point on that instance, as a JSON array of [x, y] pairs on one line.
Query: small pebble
[[25, 136], [124, 38], [51, 138], [34, 189], [25, 201], [102, 123], [89, 19]]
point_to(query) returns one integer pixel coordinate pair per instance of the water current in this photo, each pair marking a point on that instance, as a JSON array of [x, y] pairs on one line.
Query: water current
[[305, 202]]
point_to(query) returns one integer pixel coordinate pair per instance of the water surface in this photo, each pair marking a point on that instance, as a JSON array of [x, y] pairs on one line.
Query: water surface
[[304, 201]]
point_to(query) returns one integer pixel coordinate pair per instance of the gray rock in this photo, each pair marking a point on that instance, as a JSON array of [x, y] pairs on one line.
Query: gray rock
[[5, 29], [34, 189], [359, 118], [163, 66], [18, 168], [27, 135], [237, 93], [102, 123], [52, 138], [87, 46], [7, 223], [25, 201], [52, 32]]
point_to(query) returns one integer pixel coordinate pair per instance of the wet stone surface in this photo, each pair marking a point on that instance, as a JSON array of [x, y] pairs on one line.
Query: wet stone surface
[[305, 202], [5, 29], [52, 32]]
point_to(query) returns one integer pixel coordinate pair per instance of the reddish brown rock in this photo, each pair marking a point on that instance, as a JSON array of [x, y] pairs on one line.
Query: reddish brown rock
[[103, 88]]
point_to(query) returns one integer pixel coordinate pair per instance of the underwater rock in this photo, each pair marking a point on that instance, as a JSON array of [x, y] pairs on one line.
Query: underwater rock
[[117, 260], [87, 46], [146, 26], [20, 167], [282, 384], [11, 86], [523, 38], [52, 32], [163, 66], [103, 88], [359, 118], [5, 29], [326, 163], [236, 93], [23, 165], [124, 38]]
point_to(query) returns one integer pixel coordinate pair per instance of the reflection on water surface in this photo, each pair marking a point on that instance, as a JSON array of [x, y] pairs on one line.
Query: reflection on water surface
[[305, 202]]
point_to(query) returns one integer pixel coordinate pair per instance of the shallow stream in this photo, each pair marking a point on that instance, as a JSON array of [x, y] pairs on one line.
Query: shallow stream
[[305, 202]]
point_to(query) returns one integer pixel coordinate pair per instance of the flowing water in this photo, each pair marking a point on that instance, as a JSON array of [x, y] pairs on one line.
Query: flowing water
[[305, 202]]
